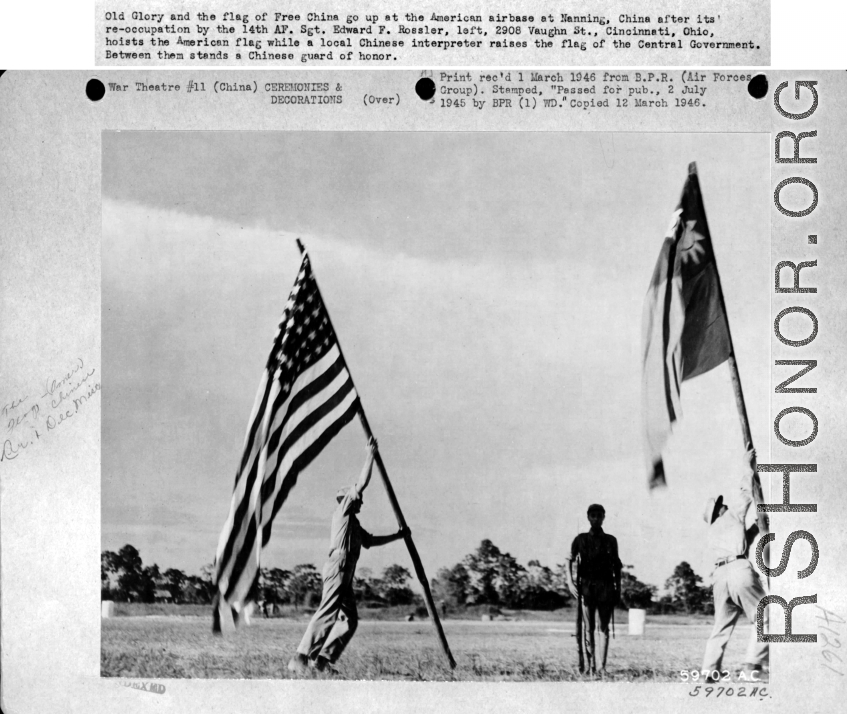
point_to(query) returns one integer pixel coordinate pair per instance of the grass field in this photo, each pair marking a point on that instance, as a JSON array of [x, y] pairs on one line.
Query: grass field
[[160, 646]]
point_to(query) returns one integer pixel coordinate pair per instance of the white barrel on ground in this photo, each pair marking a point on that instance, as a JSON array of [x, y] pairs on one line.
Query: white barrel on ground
[[107, 608], [637, 618]]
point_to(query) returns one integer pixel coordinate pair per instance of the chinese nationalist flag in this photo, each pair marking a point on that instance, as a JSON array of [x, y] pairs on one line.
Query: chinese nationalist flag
[[684, 324]]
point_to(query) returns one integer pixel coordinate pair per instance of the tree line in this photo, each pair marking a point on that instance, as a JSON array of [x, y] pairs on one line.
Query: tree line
[[487, 576], [490, 576], [124, 578]]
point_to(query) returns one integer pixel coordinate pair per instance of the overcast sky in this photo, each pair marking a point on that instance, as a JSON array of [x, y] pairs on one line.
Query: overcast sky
[[487, 291]]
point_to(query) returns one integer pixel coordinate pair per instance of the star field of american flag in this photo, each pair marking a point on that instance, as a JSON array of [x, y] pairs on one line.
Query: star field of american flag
[[305, 333]]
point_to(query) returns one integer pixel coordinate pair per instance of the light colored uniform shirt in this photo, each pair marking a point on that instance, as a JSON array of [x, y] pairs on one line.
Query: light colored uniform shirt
[[348, 536], [728, 535]]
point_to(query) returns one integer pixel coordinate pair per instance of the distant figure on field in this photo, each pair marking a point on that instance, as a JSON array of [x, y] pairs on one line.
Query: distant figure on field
[[597, 586], [737, 586], [333, 625]]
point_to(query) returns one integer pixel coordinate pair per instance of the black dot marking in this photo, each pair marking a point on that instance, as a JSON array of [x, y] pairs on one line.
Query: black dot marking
[[813, 240], [758, 86], [425, 88], [95, 90]]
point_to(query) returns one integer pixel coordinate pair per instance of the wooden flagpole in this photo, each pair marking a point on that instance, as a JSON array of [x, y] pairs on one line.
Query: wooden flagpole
[[401, 521], [413, 551], [758, 496]]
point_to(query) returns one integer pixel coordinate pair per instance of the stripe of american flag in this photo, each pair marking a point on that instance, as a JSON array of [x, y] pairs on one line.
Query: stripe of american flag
[[305, 397]]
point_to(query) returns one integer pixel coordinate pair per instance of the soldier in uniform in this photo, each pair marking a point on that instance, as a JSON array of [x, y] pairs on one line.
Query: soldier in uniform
[[597, 586], [335, 621], [737, 587]]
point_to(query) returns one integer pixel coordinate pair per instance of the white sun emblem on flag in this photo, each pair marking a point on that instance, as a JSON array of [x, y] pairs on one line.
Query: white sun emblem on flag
[[691, 244]]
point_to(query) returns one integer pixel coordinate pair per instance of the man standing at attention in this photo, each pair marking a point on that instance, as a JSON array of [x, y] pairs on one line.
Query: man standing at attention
[[598, 583], [736, 585], [335, 621]]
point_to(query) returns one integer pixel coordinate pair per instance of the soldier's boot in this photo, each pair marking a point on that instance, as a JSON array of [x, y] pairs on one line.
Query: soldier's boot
[[322, 664], [752, 673], [299, 664]]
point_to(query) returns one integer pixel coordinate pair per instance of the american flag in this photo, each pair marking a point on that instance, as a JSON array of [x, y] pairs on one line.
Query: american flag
[[305, 397]]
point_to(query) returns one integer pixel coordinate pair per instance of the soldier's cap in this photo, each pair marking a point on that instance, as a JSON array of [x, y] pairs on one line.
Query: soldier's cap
[[713, 505], [596, 507]]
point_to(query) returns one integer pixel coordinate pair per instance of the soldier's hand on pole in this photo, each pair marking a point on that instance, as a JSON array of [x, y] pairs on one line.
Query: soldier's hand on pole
[[751, 459], [372, 444]]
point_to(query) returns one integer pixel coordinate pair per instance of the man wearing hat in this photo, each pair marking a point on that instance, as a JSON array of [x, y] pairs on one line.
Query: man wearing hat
[[737, 587], [598, 582], [335, 621]]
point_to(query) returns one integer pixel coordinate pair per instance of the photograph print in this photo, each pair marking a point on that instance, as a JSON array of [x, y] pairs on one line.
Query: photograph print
[[433, 406]]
